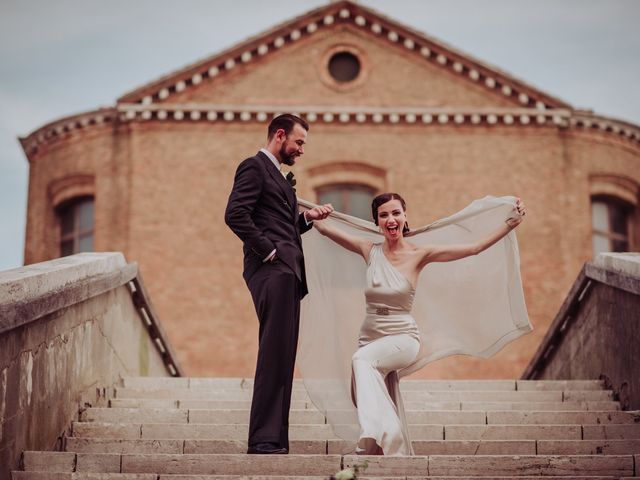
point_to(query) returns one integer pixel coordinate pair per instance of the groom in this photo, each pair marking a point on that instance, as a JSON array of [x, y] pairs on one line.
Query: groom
[[263, 211]]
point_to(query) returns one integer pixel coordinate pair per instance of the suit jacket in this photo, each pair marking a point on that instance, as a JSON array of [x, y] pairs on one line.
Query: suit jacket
[[263, 211]]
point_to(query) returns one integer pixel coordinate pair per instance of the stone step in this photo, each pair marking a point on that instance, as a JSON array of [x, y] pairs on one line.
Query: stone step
[[199, 404], [534, 406], [225, 464], [405, 385], [198, 416], [324, 432], [162, 415], [418, 395], [496, 465], [321, 447], [147, 476], [93, 476], [324, 465], [409, 405]]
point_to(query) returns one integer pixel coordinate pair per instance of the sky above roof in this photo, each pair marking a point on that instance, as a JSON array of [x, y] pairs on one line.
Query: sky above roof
[[69, 56]]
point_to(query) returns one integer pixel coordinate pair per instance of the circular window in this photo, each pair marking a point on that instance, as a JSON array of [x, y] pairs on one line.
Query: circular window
[[344, 66]]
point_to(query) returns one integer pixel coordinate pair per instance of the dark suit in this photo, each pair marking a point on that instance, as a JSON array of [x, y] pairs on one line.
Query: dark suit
[[263, 211]]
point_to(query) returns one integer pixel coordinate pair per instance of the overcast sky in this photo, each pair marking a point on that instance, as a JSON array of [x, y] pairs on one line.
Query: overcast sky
[[60, 57]]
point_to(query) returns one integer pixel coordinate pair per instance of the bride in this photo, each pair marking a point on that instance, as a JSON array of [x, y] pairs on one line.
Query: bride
[[389, 339]]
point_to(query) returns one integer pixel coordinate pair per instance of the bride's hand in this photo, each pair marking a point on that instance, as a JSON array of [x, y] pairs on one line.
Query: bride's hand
[[521, 211]]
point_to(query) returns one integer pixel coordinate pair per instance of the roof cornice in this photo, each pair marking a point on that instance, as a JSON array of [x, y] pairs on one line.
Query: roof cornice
[[564, 119]]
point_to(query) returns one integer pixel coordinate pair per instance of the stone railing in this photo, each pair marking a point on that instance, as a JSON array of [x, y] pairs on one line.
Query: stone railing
[[597, 330], [69, 330]]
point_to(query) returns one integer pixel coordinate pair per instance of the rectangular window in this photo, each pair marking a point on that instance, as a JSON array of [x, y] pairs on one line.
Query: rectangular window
[[76, 226], [610, 219]]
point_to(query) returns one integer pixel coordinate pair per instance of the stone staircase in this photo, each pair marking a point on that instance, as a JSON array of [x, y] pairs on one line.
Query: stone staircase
[[196, 428]]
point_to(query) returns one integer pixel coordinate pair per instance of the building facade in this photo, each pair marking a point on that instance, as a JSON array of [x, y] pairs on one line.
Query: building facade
[[390, 109]]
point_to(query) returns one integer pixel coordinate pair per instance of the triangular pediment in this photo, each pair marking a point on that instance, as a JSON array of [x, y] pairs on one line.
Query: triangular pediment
[[287, 65]]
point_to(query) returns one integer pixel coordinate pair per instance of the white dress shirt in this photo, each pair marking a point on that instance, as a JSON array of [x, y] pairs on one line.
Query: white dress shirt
[[278, 165]]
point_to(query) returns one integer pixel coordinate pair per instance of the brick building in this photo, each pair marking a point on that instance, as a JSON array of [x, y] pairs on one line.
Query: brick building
[[390, 110]]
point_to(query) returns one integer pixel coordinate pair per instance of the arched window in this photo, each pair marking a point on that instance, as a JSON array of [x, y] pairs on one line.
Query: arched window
[[352, 199], [76, 226]]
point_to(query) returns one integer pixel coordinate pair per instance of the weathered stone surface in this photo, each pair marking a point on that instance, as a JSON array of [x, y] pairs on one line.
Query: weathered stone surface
[[118, 445], [49, 461], [587, 395], [488, 396], [515, 443], [512, 432], [232, 464], [540, 406], [558, 418], [70, 356], [134, 415], [143, 403], [613, 353], [20, 285], [527, 385], [426, 432], [592, 432], [453, 385], [296, 447], [588, 447], [156, 382], [230, 432], [196, 394], [242, 416], [390, 466], [231, 404], [98, 462], [106, 430], [432, 406], [531, 465], [409, 396], [446, 417], [474, 447], [82, 476]]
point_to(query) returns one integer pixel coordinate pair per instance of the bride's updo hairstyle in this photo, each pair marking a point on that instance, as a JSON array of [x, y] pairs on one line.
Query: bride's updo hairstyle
[[384, 198]]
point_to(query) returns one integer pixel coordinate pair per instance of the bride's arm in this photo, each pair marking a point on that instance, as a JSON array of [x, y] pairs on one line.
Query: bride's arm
[[448, 253], [350, 242]]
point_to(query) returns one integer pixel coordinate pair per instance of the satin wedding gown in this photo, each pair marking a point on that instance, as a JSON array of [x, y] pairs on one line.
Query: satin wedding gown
[[389, 341], [473, 306]]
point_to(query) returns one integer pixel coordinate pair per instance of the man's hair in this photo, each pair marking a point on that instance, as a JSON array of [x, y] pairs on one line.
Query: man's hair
[[285, 122]]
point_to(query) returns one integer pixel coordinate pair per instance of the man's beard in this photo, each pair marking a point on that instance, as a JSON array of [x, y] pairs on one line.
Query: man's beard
[[287, 158]]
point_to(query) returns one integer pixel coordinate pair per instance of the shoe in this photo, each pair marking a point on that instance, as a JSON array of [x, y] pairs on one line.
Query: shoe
[[266, 449]]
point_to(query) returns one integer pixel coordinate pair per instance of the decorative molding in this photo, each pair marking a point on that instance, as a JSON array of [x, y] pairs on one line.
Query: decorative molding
[[425, 49], [64, 126], [616, 186], [346, 172], [72, 186], [343, 115], [208, 113]]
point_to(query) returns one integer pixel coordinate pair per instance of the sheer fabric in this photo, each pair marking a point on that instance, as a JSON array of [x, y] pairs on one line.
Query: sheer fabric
[[473, 306]]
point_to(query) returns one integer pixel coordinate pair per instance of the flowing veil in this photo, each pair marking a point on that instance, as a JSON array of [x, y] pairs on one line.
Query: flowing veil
[[473, 306]]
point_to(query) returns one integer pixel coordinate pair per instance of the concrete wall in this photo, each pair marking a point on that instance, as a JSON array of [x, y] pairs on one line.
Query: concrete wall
[[68, 331], [597, 332]]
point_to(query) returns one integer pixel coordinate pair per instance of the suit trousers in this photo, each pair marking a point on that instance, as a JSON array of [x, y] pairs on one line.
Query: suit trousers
[[275, 290]]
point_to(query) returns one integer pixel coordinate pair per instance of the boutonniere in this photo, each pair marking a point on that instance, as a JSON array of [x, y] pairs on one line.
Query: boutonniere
[[292, 181]]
